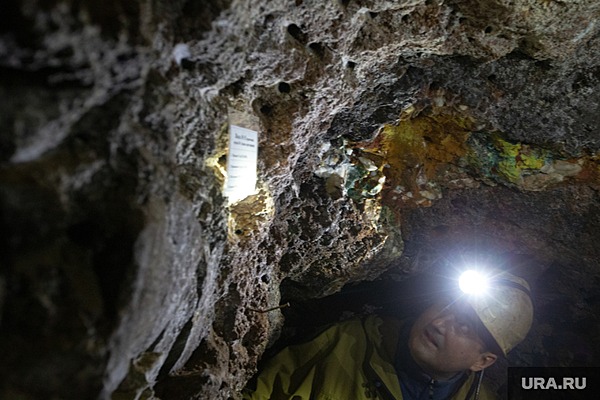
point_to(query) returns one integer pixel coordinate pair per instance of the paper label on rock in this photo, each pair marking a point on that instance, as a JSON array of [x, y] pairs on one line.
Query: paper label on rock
[[241, 163]]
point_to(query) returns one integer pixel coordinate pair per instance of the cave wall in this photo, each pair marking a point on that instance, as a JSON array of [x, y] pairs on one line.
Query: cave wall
[[392, 135]]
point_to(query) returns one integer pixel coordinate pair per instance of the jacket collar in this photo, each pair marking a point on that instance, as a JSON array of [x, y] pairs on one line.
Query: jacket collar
[[384, 339]]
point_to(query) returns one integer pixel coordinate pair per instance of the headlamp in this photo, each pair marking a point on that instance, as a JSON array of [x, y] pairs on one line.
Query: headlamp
[[502, 302], [473, 282]]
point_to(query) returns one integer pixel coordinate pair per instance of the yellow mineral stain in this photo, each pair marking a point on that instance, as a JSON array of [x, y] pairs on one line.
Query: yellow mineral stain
[[417, 147], [515, 158]]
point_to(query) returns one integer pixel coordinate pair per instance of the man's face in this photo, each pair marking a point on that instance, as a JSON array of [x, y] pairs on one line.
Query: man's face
[[444, 341]]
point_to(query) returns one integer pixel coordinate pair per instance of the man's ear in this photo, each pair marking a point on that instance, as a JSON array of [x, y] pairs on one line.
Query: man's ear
[[485, 360]]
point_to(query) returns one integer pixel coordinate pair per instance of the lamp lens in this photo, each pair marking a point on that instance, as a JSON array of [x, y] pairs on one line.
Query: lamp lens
[[472, 282]]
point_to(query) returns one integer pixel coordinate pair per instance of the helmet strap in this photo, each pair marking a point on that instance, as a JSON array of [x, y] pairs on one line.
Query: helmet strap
[[475, 387], [515, 285]]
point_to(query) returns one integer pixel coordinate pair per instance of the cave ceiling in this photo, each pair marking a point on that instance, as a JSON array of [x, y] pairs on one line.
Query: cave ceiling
[[395, 138]]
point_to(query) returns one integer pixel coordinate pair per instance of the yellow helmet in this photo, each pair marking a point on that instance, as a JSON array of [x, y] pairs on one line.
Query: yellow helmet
[[505, 310]]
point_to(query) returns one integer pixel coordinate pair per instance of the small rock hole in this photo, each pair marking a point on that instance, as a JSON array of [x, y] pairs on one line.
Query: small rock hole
[[297, 33], [284, 87], [266, 109], [239, 231], [269, 18], [187, 64], [350, 64], [488, 29], [317, 48]]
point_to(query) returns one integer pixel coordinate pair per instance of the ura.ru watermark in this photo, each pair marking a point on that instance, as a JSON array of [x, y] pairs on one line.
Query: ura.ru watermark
[[564, 383]]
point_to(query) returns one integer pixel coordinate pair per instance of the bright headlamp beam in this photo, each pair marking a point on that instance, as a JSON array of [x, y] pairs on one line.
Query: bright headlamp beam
[[473, 282]]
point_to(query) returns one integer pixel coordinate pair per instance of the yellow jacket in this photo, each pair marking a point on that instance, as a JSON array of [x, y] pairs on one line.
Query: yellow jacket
[[352, 360]]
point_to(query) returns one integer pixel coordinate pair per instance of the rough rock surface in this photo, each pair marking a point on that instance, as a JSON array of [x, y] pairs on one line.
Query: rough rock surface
[[395, 138]]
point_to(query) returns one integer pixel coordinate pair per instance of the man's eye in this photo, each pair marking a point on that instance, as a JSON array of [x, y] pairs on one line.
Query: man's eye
[[465, 324]]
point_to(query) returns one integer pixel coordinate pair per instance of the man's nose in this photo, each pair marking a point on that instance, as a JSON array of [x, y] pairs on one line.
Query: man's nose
[[443, 322]]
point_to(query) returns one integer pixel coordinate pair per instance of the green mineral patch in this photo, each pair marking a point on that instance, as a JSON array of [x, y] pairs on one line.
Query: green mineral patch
[[515, 159]]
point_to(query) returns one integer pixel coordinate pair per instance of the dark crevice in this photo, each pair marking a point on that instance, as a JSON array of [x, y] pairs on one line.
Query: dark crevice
[[177, 349]]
